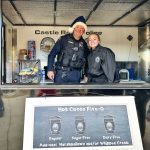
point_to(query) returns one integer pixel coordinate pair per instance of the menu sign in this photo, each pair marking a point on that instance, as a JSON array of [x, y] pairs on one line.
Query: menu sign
[[84, 123], [81, 126]]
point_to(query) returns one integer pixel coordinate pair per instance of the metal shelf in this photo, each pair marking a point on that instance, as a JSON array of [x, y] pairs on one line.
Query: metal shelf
[[29, 71]]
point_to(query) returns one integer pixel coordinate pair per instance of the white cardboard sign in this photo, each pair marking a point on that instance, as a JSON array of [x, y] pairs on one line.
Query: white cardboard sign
[[83, 123]]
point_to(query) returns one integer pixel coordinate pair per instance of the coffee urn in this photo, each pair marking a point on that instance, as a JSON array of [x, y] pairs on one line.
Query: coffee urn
[[144, 55]]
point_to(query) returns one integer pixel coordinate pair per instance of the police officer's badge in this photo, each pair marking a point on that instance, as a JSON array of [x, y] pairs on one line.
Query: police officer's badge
[[97, 59], [81, 44]]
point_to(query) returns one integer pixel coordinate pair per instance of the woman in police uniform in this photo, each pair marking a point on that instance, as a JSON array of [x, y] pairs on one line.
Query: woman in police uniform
[[101, 62]]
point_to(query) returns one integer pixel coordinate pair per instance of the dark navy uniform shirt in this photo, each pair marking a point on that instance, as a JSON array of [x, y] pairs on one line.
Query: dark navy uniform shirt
[[60, 45], [101, 63]]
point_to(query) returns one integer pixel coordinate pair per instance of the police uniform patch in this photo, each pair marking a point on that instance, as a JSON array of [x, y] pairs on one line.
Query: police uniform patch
[[97, 59]]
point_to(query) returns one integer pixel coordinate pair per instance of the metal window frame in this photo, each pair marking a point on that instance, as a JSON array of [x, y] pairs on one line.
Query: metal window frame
[[0, 41]]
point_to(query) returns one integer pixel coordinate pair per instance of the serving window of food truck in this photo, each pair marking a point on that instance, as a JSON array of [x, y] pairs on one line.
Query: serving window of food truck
[[31, 28], [28, 39]]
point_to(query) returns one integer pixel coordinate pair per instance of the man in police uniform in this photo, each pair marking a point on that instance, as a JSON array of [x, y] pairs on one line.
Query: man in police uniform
[[71, 51]]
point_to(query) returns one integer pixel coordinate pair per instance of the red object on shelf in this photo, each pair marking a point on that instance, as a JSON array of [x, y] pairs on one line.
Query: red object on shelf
[[47, 92]]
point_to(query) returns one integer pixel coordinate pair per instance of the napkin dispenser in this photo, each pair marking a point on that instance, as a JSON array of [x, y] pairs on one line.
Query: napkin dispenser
[[124, 75]]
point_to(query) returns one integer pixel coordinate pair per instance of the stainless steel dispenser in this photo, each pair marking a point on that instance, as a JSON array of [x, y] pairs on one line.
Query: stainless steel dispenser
[[144, 53]]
